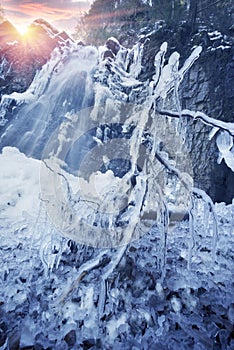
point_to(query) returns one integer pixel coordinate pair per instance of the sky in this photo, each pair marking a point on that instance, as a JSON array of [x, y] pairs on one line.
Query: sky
[[63, 14]]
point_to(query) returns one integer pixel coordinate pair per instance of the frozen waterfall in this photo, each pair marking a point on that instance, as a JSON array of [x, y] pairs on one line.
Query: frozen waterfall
[[111, 165]]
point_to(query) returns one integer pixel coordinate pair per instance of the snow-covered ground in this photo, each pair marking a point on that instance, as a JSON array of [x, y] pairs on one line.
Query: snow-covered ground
[[48, 301]]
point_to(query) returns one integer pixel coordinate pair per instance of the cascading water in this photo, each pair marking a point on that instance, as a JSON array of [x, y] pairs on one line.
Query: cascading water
[[63, 85]]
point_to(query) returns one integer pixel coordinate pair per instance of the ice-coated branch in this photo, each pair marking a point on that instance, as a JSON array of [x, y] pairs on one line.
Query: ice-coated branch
[[83, 270], [59, 174], [225, 130], [169, 76], [113, 264], [197, 193], [191, 233], [173, 170], [227, 126]]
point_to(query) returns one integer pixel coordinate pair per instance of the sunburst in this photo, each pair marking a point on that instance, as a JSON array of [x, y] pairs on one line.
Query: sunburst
[[22, 29]]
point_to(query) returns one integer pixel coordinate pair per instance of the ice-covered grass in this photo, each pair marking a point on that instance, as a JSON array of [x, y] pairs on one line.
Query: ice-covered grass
[[51, 288]]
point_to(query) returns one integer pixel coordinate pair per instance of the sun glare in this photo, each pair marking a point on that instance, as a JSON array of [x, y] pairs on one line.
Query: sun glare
[[22, 29]]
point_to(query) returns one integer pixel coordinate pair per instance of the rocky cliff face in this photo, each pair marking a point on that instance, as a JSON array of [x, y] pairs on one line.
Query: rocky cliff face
[[209, 87]]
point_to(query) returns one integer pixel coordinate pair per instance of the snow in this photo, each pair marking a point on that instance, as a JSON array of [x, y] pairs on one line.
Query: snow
[[220, 47], [215, 35], [19, 185], [52, 32], [12, 43], [148, 2]]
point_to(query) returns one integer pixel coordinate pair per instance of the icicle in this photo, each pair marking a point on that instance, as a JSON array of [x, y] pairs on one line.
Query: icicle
[[206, 215], [82, 271], [108, 271], [201, 194], [213, 132], [167, 77], [215, 236], [190, 60], [191, 234], [164, 231], [102, 299], [159, 63], [136, 66], [224, 143]]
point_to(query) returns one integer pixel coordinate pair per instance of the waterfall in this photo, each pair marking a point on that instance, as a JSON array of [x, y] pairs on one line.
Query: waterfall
[[62, 86], [107, 157], [100, 180]]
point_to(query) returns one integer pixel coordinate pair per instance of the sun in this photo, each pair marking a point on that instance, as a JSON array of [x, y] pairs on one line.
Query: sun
[[22, 29]]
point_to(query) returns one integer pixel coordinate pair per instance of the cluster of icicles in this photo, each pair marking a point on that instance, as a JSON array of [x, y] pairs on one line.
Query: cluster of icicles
[[85, 196]]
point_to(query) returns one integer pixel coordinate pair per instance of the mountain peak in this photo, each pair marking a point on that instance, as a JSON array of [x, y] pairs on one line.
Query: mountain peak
[[40, 22], [40, 29], [8, 32], [22, 55]]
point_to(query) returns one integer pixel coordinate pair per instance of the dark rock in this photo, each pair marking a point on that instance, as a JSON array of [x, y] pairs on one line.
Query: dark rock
[[23, 279], [80, 43], [76, 299], [153, 301], [3, 338], [70, 338], [121, 305], [3, 327], [108, 54], [38, 346], [64, 36], [14, 340], [88, 344], [208, 87], [73, 246], [113, 45]]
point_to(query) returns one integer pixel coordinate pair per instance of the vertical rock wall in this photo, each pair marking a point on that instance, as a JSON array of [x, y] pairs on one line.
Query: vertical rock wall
[[209, 87]]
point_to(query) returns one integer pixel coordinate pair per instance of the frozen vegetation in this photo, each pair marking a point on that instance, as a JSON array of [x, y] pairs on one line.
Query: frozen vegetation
[[105, 242], [50, 287]]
